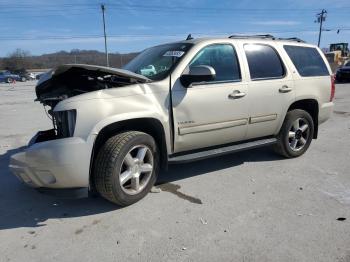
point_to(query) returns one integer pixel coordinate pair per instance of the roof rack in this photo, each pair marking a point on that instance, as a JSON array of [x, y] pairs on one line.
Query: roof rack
[[252, 36], [295, 39], [267, 36]]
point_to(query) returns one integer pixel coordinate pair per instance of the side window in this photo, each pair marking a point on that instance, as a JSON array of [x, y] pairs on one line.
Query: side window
[[263, 61], [307, 60], [223, 58]]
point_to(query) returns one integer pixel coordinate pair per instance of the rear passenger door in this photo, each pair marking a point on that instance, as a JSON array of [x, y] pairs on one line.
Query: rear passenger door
[[271, 89]]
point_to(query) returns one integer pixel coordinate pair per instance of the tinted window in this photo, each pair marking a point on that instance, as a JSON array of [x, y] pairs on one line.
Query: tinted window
[[307, 60], [263, 62], [222, 58], [157, 62]]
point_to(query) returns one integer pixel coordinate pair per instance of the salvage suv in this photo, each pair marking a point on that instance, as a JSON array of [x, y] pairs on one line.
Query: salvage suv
[[114, 129]]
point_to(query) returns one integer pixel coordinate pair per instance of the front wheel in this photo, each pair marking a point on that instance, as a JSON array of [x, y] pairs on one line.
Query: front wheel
[[9, 80], [296, 134], [126, 167]]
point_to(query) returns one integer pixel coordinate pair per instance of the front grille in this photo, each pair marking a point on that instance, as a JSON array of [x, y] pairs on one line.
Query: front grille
[[64, 122]]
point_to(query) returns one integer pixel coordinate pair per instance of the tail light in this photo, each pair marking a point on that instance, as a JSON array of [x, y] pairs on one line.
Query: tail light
[[332, 88]]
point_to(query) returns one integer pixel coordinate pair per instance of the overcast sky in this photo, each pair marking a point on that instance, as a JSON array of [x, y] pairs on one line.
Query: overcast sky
[[42, 26]]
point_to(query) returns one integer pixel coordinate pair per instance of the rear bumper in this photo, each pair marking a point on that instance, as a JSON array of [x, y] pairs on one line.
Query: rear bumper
[[325, 112], [53, 163]]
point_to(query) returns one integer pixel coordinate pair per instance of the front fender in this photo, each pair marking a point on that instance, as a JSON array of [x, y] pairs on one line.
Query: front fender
[[132, 116]]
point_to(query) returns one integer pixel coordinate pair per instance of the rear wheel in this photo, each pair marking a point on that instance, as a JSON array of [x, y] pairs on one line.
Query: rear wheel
[[9, 80], [23, 79], [296, 134], [126, 167]]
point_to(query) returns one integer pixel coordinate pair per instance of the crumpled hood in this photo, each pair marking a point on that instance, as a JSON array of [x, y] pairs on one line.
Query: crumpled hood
[[74, 79], [113, 71]]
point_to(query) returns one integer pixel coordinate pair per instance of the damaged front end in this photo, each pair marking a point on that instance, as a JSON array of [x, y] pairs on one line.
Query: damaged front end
[[71, 80], [52, 156]]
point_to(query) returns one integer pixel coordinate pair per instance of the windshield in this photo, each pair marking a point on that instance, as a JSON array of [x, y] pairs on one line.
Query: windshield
[[157, 62]]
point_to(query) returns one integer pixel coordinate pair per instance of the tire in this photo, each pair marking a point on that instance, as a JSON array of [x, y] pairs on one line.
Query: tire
[[293, 141], [9, 80], [23, 79], [112, 163]]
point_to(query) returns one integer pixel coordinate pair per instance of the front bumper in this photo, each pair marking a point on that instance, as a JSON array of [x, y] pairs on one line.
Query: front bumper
[[53, 163]]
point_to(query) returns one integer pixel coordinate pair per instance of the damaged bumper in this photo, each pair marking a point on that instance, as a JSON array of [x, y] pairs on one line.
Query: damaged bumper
[[53, 163]]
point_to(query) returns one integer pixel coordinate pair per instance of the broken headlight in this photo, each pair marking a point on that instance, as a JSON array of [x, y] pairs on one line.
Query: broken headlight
[[64, 122]]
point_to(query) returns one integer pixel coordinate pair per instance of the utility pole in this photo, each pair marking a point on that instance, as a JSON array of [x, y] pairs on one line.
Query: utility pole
[[104, 32], [321, 17]]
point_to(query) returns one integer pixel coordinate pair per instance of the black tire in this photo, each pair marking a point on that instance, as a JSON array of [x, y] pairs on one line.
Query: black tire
[[109, 162], [283, 146], [9, 80], [23, 79]]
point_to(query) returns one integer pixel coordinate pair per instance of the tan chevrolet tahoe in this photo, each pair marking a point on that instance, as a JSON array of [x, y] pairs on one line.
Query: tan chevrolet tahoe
[[114, 129]]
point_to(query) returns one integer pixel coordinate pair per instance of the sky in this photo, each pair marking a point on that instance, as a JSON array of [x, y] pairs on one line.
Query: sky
[[43, 26]]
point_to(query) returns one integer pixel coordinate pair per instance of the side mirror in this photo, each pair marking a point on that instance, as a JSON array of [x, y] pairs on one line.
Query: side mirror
[[197, 74]]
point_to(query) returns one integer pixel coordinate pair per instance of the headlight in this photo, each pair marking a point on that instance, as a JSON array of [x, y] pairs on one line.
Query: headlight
[[65, 122]]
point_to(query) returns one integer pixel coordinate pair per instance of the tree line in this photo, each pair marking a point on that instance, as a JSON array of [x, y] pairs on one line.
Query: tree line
[[20, 60]]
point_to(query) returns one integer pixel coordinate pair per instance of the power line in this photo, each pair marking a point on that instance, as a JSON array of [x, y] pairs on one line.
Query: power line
[[84, 9], [139, 6], [171, 8], [52, 37]]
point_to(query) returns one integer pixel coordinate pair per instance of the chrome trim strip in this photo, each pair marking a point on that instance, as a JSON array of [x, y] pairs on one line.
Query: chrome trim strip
[[258, 119], [212, 126]]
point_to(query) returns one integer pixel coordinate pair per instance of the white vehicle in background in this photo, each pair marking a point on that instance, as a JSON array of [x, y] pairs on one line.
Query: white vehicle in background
[[32, 76], [114, 129], [149, 70]]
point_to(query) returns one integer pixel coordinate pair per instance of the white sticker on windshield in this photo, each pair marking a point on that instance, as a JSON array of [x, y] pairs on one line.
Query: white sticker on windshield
[[174, 53]]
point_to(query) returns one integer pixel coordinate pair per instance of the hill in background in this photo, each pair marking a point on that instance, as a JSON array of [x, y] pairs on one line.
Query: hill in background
[[20, 59]]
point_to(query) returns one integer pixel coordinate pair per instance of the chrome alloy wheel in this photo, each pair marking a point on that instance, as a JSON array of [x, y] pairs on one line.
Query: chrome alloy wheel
[[136, 169], [298, 134]]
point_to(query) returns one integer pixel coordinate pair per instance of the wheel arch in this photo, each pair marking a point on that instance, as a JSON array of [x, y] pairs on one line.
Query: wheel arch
[[312, 107], [148, 125]]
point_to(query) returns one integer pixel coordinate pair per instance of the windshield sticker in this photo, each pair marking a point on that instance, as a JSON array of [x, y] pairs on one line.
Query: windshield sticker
[[174, 53]]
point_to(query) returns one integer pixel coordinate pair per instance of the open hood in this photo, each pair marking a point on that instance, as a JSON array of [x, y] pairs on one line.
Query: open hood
[[74, 79]]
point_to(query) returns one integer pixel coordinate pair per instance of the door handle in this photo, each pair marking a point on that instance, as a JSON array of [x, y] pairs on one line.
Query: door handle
[[285, 89], [236, 94]]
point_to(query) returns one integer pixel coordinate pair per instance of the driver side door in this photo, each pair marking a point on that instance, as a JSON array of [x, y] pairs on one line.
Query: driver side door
[[211, 113]]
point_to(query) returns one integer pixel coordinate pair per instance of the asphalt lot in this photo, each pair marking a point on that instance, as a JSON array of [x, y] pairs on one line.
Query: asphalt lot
[[251, 206]]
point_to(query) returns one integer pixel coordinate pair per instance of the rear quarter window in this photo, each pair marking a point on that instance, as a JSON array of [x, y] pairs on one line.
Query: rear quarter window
[[307, 60]]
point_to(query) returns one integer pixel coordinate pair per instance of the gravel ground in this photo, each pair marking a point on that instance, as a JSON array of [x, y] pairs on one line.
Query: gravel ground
[[251, 206]]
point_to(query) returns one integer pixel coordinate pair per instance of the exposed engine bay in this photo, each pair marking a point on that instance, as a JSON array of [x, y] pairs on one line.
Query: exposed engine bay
[[71, 80]]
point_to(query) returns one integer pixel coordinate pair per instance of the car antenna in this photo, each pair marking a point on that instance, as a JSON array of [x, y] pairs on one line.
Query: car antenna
[[189, 37]]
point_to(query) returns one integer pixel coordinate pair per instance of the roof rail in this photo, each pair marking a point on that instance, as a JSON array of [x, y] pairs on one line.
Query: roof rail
[[189, 37], [267, 36], [295, 39], [253, 36]]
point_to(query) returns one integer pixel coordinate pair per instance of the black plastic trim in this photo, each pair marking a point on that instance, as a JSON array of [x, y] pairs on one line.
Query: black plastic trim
[[195, 155], [68, 193]]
